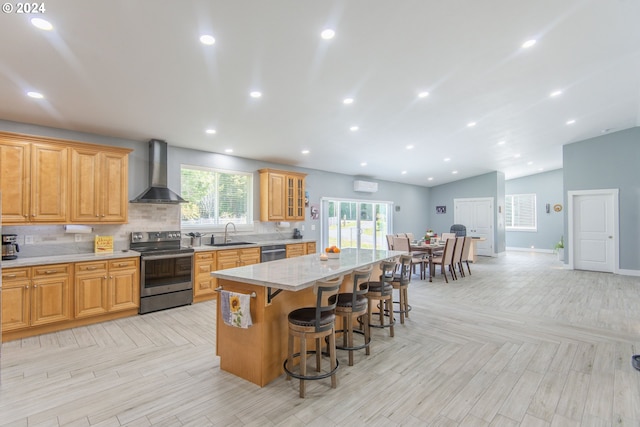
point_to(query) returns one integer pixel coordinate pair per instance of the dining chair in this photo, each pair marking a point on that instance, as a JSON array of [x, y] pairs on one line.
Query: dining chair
[[446, 259], [466, 247], [457, 257], [403, 244], [446, 236], [390, 241]]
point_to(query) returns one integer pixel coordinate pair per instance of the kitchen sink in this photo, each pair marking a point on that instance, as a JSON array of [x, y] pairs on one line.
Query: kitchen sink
[[230, 244]]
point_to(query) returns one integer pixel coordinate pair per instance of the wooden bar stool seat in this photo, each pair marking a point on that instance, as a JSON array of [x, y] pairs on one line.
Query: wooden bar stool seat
[[354, 305], [314, 323], [401, 282]]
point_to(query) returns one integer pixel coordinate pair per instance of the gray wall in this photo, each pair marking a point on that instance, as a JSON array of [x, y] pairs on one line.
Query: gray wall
[[547, 187], [487, 185], [609, 161]]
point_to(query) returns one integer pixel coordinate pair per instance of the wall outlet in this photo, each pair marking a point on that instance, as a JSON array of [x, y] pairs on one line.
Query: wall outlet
[[313, 227], [78, 237], [302, 227], [28, 240]]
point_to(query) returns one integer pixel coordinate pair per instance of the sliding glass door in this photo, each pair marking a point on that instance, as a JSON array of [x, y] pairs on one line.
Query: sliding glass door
[[355, 223]]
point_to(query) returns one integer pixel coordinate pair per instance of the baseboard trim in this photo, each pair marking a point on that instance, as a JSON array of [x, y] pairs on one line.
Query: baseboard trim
[[544, 251]]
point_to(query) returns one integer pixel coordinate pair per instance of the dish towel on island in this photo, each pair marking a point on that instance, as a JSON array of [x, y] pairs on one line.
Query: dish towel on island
[[236, 309]]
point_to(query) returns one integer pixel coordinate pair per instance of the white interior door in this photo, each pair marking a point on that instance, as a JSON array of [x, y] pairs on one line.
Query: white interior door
[[594, 231], [477, 215]]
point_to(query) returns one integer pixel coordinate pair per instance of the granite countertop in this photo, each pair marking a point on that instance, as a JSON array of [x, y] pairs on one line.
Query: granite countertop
[[253, 245], [61, 259], [294, 274]]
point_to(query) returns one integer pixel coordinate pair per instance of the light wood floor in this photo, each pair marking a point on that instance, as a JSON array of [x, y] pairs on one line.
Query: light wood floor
[[520, 342]]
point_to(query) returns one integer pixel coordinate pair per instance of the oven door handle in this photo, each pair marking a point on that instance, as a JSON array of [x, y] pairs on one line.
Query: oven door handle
[[273, 251], [170, 256]]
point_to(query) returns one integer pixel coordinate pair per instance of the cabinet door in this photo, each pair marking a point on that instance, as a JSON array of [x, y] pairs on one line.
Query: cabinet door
[[275, 197], [295, 198], [50, 300], [49, 177], [114, 194], [91, 295], [249, 256], [311, 248], [204, 283], [227, 259], [85, 189], [15, 181], [295, 250], [124, 290], [15, 304]]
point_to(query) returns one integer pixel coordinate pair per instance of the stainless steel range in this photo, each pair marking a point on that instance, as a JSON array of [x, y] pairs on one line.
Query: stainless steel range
[[165, 270]]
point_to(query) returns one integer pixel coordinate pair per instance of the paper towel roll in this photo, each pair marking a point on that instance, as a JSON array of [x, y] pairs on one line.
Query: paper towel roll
[[78, 229]]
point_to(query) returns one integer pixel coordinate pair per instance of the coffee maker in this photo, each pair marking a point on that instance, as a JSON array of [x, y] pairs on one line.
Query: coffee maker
[[296, 234], [10, 247]]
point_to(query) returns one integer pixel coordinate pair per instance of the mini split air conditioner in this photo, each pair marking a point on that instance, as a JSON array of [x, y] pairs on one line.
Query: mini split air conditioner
[[365, 186]]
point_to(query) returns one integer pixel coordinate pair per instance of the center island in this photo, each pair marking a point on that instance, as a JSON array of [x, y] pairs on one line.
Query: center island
[[277, 287]]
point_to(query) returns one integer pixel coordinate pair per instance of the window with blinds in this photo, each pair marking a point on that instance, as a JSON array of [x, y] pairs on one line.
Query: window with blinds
[[520, 212], [215, 197]]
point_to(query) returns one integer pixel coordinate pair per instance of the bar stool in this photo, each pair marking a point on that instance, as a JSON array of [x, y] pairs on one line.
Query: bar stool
[[401, 282], [352, 305], [314, 323], [381, 294]]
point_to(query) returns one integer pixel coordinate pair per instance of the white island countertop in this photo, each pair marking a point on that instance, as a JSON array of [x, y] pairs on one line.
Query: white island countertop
[[294, 274]]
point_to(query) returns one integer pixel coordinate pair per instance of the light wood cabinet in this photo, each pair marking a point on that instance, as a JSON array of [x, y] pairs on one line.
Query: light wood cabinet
[[50, 181], [296, 249], [282, 196], [231, 258], [311, 248], [103, 287], [33, 181], [36, 296], [99, 185], [204, 286]]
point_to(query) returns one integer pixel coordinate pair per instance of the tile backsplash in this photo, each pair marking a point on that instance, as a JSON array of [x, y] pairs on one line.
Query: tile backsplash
[[52, 239]]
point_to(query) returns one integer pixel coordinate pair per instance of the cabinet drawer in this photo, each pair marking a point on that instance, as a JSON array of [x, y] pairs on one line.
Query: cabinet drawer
[[204, 256], [123, 263], [51, 270], [9, 274], [91, 267]]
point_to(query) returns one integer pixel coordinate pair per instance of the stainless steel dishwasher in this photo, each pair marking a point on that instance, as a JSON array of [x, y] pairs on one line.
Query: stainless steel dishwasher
[[272, 252]]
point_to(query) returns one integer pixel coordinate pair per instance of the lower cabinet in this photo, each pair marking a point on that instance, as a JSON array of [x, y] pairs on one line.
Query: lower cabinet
[[204, 286], [107, 286], [47, 298], [35, 296], [296, 249], [231, 258], [311, 248]]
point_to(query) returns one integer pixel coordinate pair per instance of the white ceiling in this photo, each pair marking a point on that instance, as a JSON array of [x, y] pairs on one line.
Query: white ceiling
[[136, 70]]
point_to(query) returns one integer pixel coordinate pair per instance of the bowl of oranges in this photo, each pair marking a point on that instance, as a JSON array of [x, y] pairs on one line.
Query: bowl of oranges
[[333, 252]]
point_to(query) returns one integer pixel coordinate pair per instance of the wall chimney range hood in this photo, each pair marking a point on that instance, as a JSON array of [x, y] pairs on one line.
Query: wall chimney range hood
[[158, 192]]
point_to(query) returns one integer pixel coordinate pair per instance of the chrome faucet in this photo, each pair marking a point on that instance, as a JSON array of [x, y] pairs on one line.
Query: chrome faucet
[[226, 239]]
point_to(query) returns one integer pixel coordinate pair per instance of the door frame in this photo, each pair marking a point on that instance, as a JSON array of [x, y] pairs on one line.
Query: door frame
[[571, 212], [492, 239]]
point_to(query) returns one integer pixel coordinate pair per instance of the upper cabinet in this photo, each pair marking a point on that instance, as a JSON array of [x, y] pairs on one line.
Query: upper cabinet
[[98, 186], [33, 181], [49, 181], [282, 195]]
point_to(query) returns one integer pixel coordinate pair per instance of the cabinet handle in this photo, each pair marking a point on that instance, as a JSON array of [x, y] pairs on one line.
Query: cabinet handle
[[50, 271], [10, 276], [92, 268], [35, 286], [97, 215], [104, 277], [111, 277], [26, 287], [122, 264]]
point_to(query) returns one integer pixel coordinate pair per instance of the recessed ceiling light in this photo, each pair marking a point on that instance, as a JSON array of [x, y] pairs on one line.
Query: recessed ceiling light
[[255, 94], [529, 163], [447, 159], [403, 172], [363, 164], [228, 150], [430, 178], [347, 101], [305, 151], [540, 169], [328, 34], [471, 124], [607, 130], [454, 172], [529, 43], [502, 142], [517, 156], [409, 147], [35, 95], [211, 131], [423, 94], [207, 39], [354, 128], [42, 24], [570, 122], [555, 93]]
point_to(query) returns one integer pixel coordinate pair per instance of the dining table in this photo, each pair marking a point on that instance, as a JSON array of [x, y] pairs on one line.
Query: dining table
[[428, 250]]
